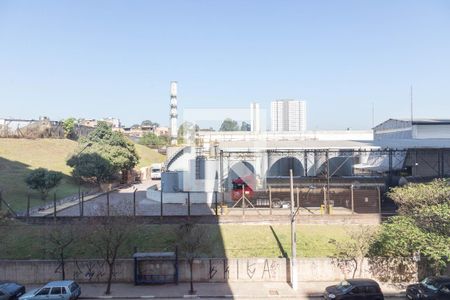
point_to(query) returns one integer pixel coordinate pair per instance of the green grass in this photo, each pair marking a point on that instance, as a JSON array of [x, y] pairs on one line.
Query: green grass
[[148, 156], [233, 241], [19, 156]]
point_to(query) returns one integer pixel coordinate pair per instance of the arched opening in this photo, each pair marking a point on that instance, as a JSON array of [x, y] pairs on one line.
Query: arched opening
[[339, 166], [242, 169], [282, 166]]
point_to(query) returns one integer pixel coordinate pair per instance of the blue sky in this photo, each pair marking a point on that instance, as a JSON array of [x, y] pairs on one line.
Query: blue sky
[[116, 58]]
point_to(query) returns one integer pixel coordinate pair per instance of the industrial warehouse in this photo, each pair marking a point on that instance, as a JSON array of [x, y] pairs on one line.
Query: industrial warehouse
[[333, 172]]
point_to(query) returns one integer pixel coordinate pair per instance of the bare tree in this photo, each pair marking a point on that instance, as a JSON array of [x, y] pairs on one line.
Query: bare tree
[[59, 239], [110, 234], [349, 254], [192, 243]]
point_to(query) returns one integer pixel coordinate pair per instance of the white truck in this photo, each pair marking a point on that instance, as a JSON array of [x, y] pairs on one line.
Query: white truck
[[155, 171]]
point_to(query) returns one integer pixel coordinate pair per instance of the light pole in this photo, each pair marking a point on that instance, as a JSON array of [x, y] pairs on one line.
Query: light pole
[[79, 180], [294, 279]]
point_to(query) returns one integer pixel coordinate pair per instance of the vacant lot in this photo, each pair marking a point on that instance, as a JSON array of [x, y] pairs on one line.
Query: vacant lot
[[27, 241], [19, 156]]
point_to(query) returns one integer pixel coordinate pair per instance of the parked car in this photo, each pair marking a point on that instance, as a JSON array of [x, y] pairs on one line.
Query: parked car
[[61, 290], [433, 288], [354, 289], [11, 290]]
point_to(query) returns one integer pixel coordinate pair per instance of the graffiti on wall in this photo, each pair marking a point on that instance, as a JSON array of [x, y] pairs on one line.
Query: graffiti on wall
[[91, 271], [220, 269]]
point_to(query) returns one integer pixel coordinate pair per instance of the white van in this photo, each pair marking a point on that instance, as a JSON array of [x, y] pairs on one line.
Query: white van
[[155, 171]]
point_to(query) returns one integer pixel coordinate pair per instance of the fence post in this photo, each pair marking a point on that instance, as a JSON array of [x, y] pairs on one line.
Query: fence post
[[28, 206], [270, 200], [243, 201], [134, 203], [107, 203], [189, 205], [54, 206], [215, 199], [379, 200], [162, 199], [79, 201], [82, 204], [352, 199]]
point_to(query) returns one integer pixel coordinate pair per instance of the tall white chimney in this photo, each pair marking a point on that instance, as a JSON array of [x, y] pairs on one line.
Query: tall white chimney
[[173, 113]]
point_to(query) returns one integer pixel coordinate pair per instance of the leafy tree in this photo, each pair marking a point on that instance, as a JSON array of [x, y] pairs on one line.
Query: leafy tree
[[192, 243], [109, 153], [350, 254], [69, 128], [229, 125], [149, 123], [43, 180], [245, 126], [92, 167], [422, 227], [152, 140], [187, 131]]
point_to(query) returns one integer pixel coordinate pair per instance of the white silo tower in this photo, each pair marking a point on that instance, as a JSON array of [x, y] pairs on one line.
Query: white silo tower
[[173, 113]]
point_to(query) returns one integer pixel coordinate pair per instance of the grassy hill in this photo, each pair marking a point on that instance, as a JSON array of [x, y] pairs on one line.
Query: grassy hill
[[19, 156]]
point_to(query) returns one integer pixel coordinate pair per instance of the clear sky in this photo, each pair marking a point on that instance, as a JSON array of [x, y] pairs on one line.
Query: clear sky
[[97, 59]]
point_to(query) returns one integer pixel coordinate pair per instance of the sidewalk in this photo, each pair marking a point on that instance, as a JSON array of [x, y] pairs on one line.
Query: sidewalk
[[232, 290], [75, 201]]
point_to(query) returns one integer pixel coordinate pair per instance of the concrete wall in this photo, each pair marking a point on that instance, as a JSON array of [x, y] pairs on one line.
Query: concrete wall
[[205, 270]]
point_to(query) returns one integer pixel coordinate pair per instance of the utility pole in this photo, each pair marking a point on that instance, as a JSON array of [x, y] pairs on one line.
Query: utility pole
[[294, 279], [373, 115], [412, 112]]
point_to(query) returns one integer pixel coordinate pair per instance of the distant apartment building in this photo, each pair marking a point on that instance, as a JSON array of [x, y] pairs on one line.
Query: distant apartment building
[[115, 122], [288, 115], [88, 122]]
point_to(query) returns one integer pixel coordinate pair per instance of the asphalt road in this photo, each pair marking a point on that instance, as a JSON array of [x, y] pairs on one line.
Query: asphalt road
[[386, 298]]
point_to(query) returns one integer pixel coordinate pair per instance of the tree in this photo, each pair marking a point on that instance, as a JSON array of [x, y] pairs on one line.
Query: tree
[[421, 227], [245, 126], [187, 131], [427, 203], [109, 235], [350, 254], [92, 167], [58, 239], [149, 123], [69, 128], [192, 243], [152, 140], [43, 180], [229, 125], [109, 153]]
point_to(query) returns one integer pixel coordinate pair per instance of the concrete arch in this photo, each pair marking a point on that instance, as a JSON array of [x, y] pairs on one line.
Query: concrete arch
[[281, 167], [240, 169], [339, 166]]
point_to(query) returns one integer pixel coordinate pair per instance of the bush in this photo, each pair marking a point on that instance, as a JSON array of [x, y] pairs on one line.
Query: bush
[[43, 180]]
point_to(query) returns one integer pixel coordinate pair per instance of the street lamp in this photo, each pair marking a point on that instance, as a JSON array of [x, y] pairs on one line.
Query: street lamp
[[294, 280]]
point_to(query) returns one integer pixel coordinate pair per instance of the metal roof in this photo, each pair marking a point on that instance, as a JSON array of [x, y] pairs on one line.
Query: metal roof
[[336, 145], [301, 144]]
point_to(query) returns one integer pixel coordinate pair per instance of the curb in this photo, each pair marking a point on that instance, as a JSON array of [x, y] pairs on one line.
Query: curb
[[315, 295]]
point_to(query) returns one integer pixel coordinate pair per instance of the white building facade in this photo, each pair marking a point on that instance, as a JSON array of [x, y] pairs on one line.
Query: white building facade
[[416, 129], [288, 115]]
